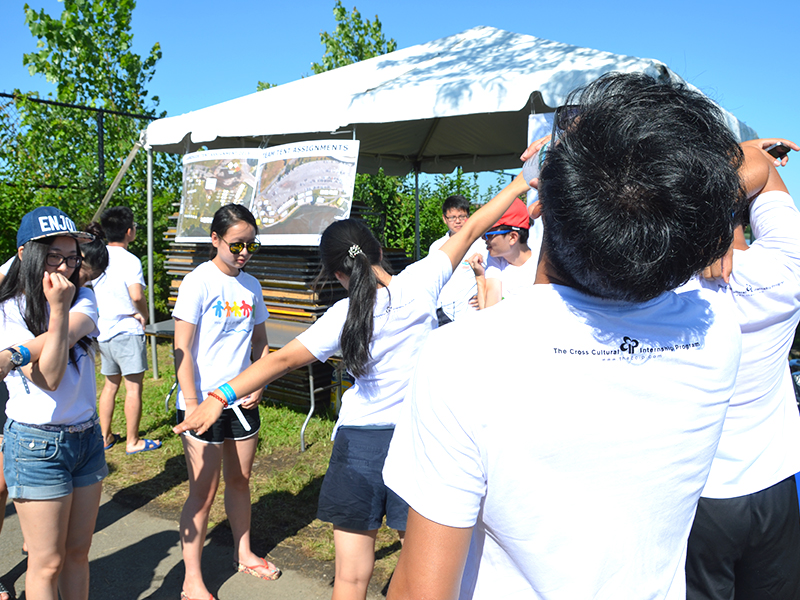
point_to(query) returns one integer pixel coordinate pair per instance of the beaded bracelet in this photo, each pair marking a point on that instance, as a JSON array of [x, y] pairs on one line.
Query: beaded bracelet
[[218, 397], [226, 389]]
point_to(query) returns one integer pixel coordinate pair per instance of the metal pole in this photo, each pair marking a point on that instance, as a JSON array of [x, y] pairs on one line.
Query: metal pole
[[313, 401], [416, 214], [151, 298], [101, 161]]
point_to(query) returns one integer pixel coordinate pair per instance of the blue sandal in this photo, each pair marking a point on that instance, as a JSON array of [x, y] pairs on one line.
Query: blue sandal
[[148, 445]]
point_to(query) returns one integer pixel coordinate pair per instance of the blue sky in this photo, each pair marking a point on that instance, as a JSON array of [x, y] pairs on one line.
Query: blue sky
[[742, 54]]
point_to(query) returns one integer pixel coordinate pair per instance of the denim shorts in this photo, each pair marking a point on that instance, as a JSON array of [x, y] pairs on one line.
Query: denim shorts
[[229, 426], [124, 354], [44, 465], [353, 495]]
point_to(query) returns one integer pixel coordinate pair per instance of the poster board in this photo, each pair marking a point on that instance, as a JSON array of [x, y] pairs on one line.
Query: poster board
[[295, 190]]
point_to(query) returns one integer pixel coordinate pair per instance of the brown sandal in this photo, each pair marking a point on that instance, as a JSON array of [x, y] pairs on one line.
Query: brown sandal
[[273, 572]]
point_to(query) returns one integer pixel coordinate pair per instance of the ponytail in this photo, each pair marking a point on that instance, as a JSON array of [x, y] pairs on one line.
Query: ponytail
[[348, 247]]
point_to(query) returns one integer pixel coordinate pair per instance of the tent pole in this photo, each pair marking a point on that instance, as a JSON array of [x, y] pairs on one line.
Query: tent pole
[[151, 302], [416, 214]]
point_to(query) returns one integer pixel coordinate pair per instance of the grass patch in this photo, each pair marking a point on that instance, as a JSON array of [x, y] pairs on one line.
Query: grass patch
[[284, 485]]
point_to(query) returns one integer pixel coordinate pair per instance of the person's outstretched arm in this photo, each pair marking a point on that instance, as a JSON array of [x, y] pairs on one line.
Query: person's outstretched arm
[[262, 372], [432, 561]]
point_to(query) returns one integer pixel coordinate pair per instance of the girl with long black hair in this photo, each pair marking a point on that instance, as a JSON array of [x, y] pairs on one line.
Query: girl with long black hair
[[52, 445], [378, 330]]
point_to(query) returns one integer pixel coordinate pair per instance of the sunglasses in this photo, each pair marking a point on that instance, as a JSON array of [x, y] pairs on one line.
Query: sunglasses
[[56, 260], [563, 118], [237, 247], [488, 234]]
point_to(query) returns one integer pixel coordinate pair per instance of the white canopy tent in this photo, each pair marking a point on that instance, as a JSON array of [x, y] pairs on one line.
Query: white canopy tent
[[463, 100]]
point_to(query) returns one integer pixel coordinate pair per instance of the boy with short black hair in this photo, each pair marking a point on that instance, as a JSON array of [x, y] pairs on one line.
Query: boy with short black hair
[[454, 299], [122, 309]]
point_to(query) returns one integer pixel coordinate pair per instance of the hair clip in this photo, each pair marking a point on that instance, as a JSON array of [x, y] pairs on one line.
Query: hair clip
[[354, 251]]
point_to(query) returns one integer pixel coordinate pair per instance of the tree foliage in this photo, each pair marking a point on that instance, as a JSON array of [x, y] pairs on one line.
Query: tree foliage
[[49, 154], [353, 40]]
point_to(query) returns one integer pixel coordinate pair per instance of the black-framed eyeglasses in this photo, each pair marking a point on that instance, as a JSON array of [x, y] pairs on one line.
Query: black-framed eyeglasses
[[237, 247], [489, 234], [56, 260], [456, 218], [562, 119]]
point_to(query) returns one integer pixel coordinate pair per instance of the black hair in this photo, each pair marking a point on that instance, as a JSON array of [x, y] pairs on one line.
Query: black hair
[[95, 253], [639, 192], [24, 280], [348, 247], [457, 202], [116, 221], [226, 217]]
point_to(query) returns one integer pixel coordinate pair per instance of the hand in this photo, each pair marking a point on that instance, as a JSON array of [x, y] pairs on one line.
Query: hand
[[203, 417], [140, 318], [58, 290], [476, 262], [764, 143], [473, 302], [252, 400], [534, 147]]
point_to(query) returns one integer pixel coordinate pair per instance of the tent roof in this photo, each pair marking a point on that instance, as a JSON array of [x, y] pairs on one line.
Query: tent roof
[[462, 101]]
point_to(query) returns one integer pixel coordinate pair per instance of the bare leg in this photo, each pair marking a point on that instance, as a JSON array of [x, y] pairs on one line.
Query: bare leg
[[105, 406], [237, 463], [133, 411], [203, 462], [74, 580], [3, 500], [355, 559], [44, 525]]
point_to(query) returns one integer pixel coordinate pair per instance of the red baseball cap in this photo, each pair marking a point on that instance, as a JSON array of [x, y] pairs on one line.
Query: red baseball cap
[[515, 216]]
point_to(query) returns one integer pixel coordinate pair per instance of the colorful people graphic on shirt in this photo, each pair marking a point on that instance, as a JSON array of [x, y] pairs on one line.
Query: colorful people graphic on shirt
[[237, 312], [218, 309], [246, 308], [228, 309]]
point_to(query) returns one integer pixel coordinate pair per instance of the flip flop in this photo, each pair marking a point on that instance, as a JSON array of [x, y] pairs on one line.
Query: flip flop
[[273, 572], [148, 445], [185, 597], [3, 590], [115, 437]]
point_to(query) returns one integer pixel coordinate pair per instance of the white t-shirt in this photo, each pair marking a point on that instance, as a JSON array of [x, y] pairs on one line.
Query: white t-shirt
[[404, 315], [581, 458], [515, 280], [6, 266], [760, 444], [455, 295], [113, 298], [225, 310], [75, 399]]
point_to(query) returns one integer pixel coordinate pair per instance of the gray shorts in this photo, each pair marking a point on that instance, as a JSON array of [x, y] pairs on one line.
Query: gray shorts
[[125, 354]]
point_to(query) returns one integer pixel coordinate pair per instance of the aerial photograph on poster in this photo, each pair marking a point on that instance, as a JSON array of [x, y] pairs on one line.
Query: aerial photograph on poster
[[295, 191], [213, 179]]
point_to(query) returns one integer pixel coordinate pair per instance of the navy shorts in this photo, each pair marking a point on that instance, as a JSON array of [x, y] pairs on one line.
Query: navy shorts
[[746, 547], [230, 426], [45, 465], [353, 495]]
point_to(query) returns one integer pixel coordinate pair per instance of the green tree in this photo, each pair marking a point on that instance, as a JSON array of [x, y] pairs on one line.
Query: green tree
[[353, 40], [49, 154]]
